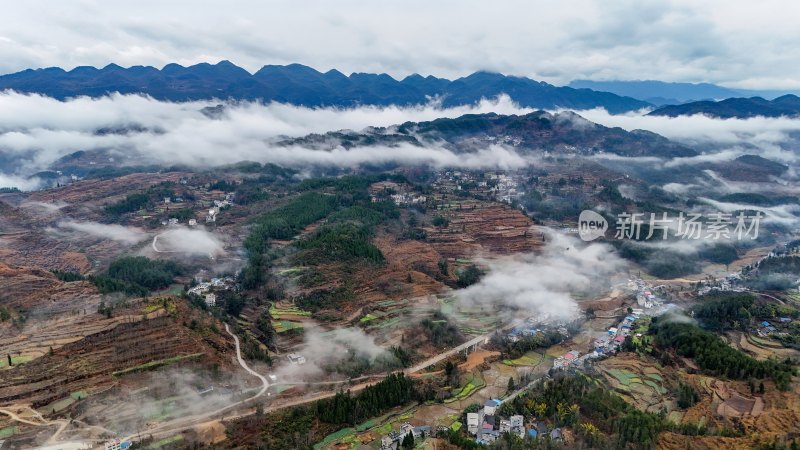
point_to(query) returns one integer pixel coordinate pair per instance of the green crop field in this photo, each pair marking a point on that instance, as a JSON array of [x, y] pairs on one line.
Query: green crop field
[[528, 359], [625, 377], [276, 313], [282, 326]]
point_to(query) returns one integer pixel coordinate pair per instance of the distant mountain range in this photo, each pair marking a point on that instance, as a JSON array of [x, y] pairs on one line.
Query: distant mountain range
[[562, 133], [302, 85], [741, 108], [663, 93]]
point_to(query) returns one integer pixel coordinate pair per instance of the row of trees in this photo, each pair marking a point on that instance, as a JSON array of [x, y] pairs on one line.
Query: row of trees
[[132, 275], [344, 408]]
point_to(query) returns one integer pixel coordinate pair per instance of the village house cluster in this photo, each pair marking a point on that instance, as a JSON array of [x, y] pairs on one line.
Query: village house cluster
[[205, 288], [487, 426], [399, 194], [503, 186], [395, 438]]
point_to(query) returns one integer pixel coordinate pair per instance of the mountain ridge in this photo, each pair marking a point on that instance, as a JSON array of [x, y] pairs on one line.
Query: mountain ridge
[[304, 86], [662, 93], [565, 133], [736, 108]]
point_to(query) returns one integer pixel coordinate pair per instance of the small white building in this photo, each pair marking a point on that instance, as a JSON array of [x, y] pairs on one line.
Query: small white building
[[490, 407], [192, 222], [211, 299], [296, 358], [473, 423], [212, 215]]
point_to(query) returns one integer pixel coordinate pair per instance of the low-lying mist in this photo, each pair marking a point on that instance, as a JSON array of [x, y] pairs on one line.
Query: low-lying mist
[[37, 131], [542, 284]]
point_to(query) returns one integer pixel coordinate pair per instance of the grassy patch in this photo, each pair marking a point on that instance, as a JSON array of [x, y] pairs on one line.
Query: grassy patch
[[333, 437], [277, 312], [528, 359], [367, 318], [15, 360], [468, 389], [159, 303], [166, 441], [366, 425], [625, 377], [290, 271], [658, 388], [282, 326], [8, 432], [155, 364], [59, 405], [79, 395]]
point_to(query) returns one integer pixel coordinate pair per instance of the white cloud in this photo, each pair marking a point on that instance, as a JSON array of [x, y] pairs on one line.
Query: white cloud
[[188, 241], [323, 350], [760, 135], [127, 235], [542, 284], [36, 131]]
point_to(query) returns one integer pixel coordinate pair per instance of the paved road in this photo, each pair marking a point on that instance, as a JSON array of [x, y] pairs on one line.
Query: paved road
[[482, 339], [442, 356]]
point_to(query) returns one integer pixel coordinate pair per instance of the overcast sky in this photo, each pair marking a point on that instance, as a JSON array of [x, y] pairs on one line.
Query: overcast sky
[[738, 43]]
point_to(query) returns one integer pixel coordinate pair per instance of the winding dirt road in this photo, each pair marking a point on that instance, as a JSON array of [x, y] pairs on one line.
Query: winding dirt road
[[187, 422]]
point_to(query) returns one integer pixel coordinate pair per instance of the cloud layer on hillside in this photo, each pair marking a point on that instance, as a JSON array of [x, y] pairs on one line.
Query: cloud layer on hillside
[[543, 284]]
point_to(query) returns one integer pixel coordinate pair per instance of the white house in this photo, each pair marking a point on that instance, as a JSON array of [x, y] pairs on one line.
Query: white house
[[211, 299], [296, 358], [490, 407], [473, 423]]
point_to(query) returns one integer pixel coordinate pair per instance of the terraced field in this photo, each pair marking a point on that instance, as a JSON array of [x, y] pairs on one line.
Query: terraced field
[[640, 383], [530, 359], [104, 351]]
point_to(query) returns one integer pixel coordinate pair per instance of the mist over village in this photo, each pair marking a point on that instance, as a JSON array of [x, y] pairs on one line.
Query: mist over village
[[400, 225]]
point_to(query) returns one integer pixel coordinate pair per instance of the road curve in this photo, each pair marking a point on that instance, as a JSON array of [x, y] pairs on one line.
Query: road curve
[[185, 423]]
